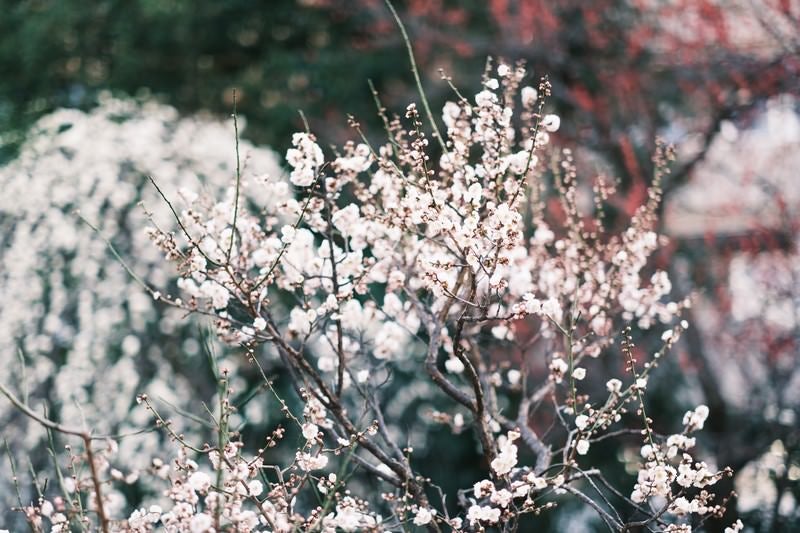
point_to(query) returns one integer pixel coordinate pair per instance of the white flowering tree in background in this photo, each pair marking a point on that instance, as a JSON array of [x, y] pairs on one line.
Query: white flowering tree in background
[[426, 266], [745, 348], [77, 332]]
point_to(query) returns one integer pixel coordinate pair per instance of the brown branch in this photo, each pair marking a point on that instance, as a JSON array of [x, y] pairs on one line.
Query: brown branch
[[87, 443]]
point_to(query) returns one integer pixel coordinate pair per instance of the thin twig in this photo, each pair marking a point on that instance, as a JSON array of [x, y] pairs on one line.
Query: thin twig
[[238, 179], [417, 79]]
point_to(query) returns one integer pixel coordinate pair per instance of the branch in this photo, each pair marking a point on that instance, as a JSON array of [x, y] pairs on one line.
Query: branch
[[87, 442]]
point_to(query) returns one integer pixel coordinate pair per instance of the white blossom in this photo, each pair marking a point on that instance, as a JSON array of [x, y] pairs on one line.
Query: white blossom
[[305, 158], [551, 123], [529, 96], [582, 447]]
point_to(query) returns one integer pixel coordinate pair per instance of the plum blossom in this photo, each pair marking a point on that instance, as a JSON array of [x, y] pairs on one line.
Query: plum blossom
[[695, 420], [551, 123], [507, 457], [483, 513], [305, 158], [529, 96], [423, 516]]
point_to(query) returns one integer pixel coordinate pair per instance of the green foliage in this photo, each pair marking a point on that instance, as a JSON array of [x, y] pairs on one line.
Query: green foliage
[[280, 56]]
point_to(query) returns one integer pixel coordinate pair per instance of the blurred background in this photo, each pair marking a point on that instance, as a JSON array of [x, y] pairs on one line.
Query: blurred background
[[95, 94]]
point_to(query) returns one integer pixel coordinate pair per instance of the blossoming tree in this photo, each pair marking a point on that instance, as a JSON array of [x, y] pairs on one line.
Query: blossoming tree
[[379, 268]]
